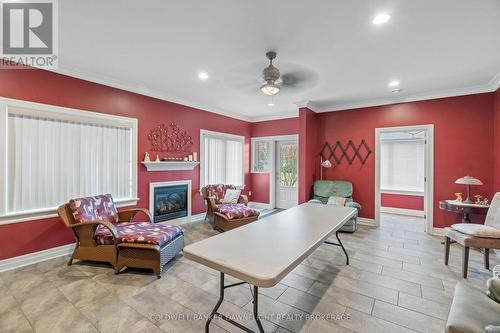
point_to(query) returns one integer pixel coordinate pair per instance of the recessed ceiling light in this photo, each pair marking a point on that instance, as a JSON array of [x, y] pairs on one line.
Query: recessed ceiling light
[[381, 18], [270, 104], [394, 83], [396, 91], [202, 76]]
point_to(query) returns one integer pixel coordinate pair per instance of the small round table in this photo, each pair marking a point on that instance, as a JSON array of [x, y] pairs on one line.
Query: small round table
[[463, 208]]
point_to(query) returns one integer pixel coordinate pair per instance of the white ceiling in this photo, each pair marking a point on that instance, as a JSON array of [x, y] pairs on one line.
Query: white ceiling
[[157, 47]]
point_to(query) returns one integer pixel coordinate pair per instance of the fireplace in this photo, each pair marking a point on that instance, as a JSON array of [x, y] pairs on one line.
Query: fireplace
[[170, 200]]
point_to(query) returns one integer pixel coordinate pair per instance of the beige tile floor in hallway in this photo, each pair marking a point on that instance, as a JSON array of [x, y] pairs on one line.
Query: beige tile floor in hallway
[[396, 282]]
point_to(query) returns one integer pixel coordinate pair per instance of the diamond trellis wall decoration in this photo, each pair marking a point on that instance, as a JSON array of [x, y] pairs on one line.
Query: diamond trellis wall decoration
[[169, 139], [350, 152]]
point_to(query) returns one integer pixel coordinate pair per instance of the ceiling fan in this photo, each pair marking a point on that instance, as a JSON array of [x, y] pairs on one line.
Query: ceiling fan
[[270, 75], [292, 79]]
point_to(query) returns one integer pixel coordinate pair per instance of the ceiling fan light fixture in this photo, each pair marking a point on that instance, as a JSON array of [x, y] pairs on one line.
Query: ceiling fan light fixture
[[270, 88]]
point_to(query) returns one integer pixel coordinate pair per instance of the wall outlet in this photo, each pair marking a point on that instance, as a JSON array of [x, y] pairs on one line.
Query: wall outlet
[[249, 193]]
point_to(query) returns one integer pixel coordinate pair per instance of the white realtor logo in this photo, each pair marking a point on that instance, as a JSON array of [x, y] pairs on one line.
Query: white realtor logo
[[17, 28]]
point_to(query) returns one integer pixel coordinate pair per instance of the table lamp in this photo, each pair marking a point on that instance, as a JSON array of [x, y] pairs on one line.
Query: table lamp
[[324, 164], [468, 180]]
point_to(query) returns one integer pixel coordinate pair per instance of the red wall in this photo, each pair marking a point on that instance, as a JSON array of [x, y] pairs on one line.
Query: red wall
[[260, 181], [415, 202], [496, 143], [54, 89], [308, 152], [463, 131]]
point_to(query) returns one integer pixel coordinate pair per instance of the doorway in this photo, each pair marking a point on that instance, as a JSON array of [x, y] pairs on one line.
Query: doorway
[[286, 174], [404, 169]]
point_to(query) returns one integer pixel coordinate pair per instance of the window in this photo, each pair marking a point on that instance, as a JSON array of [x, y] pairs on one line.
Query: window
[[402, 164], [54, 154], [221, 157], [262, 153]]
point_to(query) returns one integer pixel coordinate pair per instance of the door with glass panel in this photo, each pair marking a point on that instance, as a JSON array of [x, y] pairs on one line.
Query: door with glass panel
[[287, 177]]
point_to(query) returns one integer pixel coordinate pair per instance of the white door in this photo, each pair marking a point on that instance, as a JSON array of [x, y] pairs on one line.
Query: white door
[[287, 177]]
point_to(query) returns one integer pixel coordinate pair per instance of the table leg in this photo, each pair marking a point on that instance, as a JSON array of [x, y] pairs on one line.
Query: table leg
[[256, 308], [219, 302], [214, 312], [341, 245], [466, 218]]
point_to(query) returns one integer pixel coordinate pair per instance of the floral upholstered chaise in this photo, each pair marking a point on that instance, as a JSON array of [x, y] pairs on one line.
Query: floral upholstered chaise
[[104, 234], [226, 216]]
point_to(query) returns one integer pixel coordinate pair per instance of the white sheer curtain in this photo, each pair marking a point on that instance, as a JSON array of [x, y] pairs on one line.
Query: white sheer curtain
[[54, 160], [402, 165], [222, 161]]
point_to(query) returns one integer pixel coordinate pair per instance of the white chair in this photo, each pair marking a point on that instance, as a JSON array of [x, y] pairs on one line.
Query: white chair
[[485, 236]]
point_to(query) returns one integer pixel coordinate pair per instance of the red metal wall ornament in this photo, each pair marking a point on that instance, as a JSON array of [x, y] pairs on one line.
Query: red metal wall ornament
[[350, 152], [169, 139]]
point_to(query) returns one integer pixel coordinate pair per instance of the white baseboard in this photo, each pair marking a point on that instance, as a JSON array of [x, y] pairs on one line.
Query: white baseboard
[[366, 221], [33, 258], [259, 205], [184, 220], [402, 211], [437, 231]]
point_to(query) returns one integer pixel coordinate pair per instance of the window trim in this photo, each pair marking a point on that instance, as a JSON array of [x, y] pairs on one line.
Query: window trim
[[66, 114], [222, 135], [253, 141]]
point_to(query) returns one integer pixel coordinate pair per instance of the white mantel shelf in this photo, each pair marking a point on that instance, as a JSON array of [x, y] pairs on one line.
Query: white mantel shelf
[[170, 165]]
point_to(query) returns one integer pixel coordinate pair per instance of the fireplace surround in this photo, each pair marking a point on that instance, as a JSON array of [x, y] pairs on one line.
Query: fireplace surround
[[170, 201]]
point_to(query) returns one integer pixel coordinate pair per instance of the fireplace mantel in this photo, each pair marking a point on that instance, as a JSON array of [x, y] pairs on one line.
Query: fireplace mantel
[[170, 165]]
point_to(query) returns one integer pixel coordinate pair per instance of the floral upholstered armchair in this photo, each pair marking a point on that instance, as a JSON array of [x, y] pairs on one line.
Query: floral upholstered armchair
[[214, 195], [104, 234], [227, 216]]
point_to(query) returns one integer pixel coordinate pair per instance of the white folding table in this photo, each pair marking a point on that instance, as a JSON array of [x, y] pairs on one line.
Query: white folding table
[[262, 253]]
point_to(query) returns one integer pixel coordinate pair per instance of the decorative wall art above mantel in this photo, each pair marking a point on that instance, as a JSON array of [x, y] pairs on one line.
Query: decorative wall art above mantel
[[350, 152], [169, 139]]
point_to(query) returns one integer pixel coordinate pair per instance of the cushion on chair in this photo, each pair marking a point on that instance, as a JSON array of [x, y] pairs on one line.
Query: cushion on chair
[[100, 208], [477, 230], [231, 196], [218, 191], [139, 233], [237, 211], [337, 201]]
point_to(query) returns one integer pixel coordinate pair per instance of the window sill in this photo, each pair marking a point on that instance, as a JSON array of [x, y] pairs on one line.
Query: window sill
[[403, 192], [41, 214]]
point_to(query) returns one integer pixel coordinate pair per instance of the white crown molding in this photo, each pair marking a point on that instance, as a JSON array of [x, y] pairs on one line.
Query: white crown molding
[[307, 104], [495, 82], [141, 90], [292, 114], [491, 86]]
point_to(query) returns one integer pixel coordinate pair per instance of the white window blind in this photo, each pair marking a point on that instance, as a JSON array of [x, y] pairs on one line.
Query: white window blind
[[53, 157], [221, 159], [402, 165]]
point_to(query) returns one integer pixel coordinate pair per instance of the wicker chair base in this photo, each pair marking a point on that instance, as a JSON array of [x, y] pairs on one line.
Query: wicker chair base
[[103, 253], [148, 256], [224, 224]]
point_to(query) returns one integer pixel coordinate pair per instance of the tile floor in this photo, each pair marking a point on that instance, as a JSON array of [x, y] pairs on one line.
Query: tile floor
[[396, 282]]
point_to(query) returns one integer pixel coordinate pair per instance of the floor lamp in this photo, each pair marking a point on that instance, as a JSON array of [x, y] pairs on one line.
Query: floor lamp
[[324, 164]]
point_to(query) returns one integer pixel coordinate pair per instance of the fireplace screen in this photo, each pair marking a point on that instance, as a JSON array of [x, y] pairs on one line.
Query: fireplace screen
[[170, 202]]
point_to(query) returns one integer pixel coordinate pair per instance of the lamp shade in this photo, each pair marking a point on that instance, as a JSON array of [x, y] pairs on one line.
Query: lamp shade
[[326, 164], [270, 88], [468, 180]]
